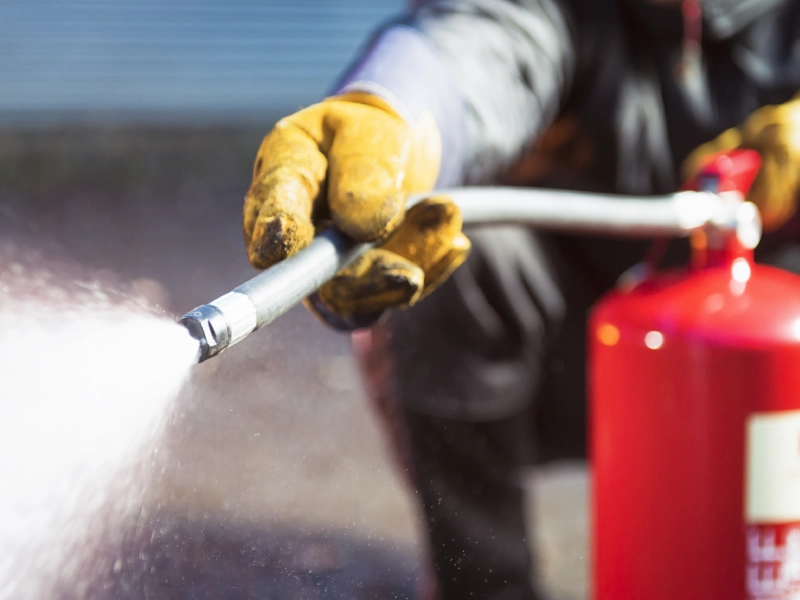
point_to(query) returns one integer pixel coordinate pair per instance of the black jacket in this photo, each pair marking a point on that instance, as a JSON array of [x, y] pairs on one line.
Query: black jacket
[[609, 71]]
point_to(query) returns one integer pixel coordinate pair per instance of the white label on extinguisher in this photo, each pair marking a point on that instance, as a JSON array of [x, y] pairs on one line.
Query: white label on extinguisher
[[772, 492]]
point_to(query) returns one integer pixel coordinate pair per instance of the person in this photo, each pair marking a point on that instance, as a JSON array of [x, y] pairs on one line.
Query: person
[[483, 372]]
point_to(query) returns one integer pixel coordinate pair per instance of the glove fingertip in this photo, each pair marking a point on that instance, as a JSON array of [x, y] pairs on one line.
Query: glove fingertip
[[376, 281], [277, 237]]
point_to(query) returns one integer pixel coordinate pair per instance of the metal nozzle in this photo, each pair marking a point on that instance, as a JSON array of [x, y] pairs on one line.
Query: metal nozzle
[[225, 321], [207, 325]]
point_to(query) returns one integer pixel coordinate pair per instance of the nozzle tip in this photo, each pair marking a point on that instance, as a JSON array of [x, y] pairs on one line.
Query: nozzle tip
[[207, 325]]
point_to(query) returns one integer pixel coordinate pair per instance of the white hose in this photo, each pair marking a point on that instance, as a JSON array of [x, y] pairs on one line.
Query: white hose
[[271, 293], [673, 214]]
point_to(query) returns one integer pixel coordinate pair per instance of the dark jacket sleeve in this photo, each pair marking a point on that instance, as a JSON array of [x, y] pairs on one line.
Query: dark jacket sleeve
[[494, 73], [512, 64]]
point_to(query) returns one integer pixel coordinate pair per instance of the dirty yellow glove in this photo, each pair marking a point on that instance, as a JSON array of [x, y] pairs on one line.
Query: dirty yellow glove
[[773, 131], [352, 160], [421, 254]]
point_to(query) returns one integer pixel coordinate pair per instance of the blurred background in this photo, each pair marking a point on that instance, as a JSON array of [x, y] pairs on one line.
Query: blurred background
[[127, 135], [185, 60]]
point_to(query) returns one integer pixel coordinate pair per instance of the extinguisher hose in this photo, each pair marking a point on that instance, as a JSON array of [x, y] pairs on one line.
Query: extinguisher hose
[[259, 301]]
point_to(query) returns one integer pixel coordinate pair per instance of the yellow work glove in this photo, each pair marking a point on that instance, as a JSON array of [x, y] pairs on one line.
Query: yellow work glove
[[774, 132], [352, 161]]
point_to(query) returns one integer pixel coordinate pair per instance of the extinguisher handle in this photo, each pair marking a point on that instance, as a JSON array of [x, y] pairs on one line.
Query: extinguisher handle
[[724, 173], [728, 171]]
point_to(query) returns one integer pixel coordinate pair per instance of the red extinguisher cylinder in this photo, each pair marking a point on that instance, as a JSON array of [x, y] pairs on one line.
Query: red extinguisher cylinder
[[694, 386]]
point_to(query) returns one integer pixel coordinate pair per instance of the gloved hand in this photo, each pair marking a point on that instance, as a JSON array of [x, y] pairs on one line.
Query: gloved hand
[[352, 160], [774, 132]]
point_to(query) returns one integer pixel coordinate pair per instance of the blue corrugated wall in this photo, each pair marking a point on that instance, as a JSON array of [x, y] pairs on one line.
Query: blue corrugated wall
[[151, 56]]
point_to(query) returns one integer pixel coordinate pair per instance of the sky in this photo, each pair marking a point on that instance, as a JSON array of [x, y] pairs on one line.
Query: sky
[[211, 56]]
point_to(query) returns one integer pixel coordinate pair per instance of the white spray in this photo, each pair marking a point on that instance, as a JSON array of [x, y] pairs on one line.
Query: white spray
[[86, 384]]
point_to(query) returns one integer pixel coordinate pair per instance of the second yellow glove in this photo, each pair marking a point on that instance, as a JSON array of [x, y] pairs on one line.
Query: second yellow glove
[[773, 131]]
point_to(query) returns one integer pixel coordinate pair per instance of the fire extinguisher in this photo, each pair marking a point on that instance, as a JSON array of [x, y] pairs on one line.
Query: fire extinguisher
[[694, 386]]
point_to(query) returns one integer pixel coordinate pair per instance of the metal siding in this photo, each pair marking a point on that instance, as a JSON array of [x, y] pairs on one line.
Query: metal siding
[[207, 55]]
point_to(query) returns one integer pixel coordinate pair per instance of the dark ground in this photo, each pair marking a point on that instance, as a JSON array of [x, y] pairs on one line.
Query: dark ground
[[277, 482]]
